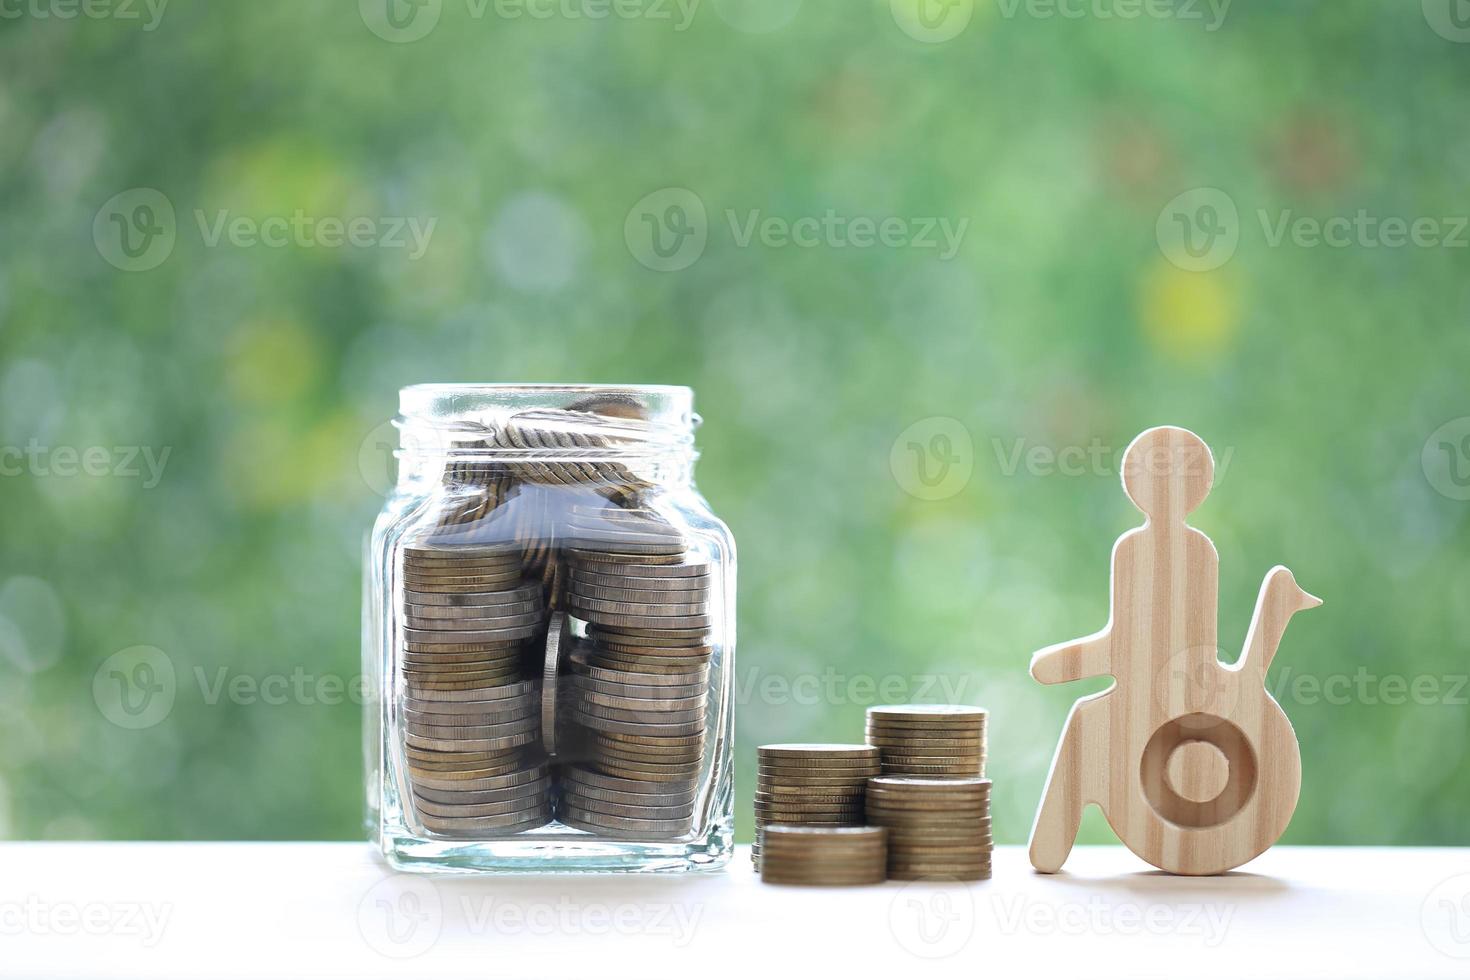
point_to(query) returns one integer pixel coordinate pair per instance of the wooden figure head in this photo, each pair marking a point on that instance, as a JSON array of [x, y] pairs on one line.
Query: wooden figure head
[[1167, 473]]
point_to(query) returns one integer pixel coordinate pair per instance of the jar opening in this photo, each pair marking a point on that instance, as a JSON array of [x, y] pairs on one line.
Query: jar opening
[[546, 421]]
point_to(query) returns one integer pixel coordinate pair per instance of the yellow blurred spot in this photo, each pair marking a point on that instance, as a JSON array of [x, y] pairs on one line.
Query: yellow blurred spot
[[1190, 316], [280, 177], [272, 360]]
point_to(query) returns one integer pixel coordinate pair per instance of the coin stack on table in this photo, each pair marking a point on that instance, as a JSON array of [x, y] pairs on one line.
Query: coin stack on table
[[471, 707], [806, 855], [929, 739], [638, 684], [937, 828], [811, 785]]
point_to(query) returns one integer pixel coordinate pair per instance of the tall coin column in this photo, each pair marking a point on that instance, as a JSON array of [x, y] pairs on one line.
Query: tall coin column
[[471, 714], [639, 680]]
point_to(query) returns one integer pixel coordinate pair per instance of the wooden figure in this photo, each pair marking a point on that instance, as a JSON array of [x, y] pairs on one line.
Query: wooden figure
[[1194, 764]]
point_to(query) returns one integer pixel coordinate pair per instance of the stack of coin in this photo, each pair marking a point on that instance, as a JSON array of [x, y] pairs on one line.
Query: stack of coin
[[639, 683], [811, 785], [471, 712], [937, 828], [806, 855], [929, 739], [612, 806]]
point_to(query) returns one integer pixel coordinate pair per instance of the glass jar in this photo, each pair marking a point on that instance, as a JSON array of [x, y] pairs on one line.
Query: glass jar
[[549, 627]]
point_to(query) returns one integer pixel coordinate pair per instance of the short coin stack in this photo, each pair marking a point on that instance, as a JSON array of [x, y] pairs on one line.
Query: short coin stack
[[638, 688], [804, 855], [471, 714], [929, 739], [937, 828], [811, 785]]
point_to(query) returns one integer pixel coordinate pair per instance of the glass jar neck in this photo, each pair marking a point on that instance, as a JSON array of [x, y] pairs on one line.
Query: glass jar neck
[[449, 429]]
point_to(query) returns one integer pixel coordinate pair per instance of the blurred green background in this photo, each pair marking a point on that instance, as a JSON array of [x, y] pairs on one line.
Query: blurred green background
[[1132, 202]]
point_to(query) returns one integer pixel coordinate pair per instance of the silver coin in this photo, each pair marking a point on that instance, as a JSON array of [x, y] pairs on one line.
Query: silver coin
[[490, 624], [522, 806], [674, 812], [511, 780], [620, 689], [461, 797], [635, 728], [684, 796], [658, 637], [602, 563], [617, 784], [468, 733], [694, 703], [454, 637], [642, 716], [422, 720], [485, 693], [516, 608], [605, 558], [523, 593], [584, 579], [579, 603], [676, 679], [477, 826], [551, 668], [470, 745], [460, 552], [591, 818]]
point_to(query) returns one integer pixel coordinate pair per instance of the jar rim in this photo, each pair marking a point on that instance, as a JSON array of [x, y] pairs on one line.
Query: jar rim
[[608, 419]]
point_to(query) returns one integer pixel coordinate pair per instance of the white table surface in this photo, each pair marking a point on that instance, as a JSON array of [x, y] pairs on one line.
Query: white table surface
[[280, 910]]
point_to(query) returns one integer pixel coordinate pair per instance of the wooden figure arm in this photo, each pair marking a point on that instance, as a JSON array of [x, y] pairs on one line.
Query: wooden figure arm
[[1090, 656]]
